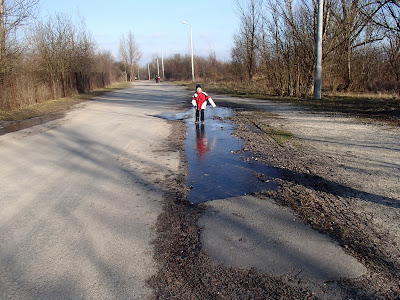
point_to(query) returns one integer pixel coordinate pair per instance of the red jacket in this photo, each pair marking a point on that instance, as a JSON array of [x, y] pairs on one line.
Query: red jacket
[[200, 99]]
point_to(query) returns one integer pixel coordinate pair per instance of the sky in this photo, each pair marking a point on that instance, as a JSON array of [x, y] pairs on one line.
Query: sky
[[156, 25]]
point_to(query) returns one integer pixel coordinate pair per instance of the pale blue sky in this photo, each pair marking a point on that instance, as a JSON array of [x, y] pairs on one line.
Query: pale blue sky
[[157, 25]]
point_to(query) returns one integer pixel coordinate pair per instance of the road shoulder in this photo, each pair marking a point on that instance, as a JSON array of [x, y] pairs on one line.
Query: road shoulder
[[187, 270]]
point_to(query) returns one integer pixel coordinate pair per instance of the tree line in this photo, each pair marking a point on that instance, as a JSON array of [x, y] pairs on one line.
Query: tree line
[[275, 44], [273, 48], [53, 58]]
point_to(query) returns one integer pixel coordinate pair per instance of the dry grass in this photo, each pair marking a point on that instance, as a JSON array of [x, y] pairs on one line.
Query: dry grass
[[57, 105], [369, 106], [374, 107]]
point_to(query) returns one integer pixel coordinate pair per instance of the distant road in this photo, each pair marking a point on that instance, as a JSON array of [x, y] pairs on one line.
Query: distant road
[[78, 199]]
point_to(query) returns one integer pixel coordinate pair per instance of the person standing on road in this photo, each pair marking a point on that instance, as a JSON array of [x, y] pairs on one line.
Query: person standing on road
[[199, 101]]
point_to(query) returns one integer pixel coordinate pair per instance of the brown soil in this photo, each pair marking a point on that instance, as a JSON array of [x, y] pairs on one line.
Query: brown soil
[[313, 188], [186, 272]]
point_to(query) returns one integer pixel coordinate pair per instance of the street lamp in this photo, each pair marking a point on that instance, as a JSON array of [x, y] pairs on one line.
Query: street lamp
[[318, 52], [191, 47], [158, 67], [162, 65]]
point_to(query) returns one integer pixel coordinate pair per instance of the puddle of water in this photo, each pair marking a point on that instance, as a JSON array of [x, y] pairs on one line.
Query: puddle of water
[[19, 125], [215, 171], [176, 116]]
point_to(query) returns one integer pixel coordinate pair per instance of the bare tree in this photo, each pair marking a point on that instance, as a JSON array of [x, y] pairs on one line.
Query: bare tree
[[129, 54], [66, 54], [287, 46], [387, 17], [385, 14], [123, 56], [56, 59], [287, 40], [13, 14], [246, 39], [54, 44], [272, 48], [2, 30], [106, 66], [347, 28], [179, 67]]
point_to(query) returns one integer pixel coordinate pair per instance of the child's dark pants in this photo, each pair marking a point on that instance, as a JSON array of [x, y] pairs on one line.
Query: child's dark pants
[[201, 113]]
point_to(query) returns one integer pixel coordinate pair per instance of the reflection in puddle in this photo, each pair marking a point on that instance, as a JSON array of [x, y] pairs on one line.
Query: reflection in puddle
[[215, 170], [202, 145]]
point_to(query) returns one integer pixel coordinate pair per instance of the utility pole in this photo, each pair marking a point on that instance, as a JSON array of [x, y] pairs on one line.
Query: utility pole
[[191, 47], [148, 70], [2, 31], [318, 52], [162, 65]]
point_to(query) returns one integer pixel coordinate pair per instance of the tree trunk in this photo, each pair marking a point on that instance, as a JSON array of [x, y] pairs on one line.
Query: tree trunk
[[36, 91], [297, 82], [250, 77], [13, 91], [51, 84], [348, 67], [63, 85]]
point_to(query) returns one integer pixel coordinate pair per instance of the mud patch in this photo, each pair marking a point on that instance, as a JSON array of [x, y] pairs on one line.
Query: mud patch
[[13, 126], [186, 272], [313, 187]]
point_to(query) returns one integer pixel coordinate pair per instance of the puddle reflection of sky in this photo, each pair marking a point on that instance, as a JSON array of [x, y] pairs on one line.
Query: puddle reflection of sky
[[215, 171]]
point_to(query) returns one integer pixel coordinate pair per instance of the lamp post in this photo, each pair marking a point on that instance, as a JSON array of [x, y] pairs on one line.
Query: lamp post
[[318, 52], [191, 47], [162, 65], [158, 67]]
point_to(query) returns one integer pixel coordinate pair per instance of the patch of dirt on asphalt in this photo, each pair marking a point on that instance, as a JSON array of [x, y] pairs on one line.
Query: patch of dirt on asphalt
[[313, 188], [186, 272], [311, 185]]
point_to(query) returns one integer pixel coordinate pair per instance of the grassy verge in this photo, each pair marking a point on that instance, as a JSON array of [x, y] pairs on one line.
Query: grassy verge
[[53, 106], [369, 106], [280, 136]]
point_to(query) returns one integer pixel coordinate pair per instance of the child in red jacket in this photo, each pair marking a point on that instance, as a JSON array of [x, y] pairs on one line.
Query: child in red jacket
[[199, 100]]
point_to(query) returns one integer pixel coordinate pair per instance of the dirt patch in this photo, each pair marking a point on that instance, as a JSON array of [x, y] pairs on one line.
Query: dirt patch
[[186, 272], [313, 187]]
